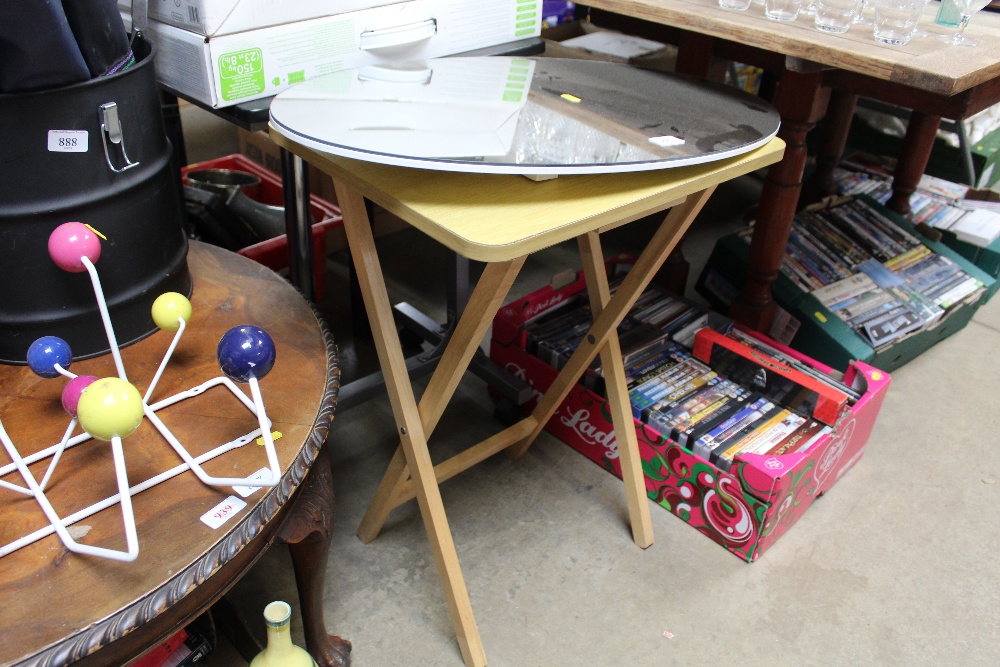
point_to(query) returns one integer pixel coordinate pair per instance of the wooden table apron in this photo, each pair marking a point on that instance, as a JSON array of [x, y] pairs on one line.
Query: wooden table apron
[[934, 79], [61, 607], [500, 220]]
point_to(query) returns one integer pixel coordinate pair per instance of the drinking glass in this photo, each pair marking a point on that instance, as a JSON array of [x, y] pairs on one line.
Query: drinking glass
[[895, 20], [835, 15], [920, 32], [859, 18], [966, 8], [782, 10], [738, 5]]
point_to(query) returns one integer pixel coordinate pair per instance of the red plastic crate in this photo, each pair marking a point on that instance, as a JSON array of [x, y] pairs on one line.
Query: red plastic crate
[[273, 253], [159, 655]]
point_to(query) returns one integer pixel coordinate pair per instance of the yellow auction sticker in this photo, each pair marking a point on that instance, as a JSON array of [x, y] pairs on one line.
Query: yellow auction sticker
[[275, 435]]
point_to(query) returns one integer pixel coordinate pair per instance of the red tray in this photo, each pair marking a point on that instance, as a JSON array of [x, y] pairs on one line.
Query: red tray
[[273, 253]]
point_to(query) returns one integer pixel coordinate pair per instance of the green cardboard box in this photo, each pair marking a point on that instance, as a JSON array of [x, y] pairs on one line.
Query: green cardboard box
[[986, 258], [821, 334]]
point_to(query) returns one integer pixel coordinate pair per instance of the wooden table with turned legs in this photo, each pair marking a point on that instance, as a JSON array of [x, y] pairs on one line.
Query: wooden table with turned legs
[[933, 78]]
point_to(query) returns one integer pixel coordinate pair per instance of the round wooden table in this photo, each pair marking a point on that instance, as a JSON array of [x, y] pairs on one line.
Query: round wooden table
[[61, 607]]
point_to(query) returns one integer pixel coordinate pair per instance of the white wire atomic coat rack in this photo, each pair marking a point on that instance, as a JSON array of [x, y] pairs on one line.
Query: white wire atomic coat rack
[[109, 409]]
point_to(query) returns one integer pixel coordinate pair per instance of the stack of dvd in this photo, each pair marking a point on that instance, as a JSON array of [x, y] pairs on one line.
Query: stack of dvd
[[934, 277], [762, 401], [724, 418], [870, 272], [735, 404], [656, 317], [553, 322], [935, 203], [826, 245], [668, 383], [717, 407], [861, 181], [683, 417]]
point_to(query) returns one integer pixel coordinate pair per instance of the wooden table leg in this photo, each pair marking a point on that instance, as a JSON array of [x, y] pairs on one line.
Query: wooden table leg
[[913, 157], [836, 128], [695, 56], [491, 290], [618, 401], [801, 101], [409, 423], [307, 533]]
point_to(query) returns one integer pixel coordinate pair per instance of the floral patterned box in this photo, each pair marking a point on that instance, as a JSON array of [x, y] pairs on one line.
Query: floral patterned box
[[746, 509]]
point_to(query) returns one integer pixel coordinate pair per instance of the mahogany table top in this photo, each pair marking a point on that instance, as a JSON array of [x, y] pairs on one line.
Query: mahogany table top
[[60, 606]]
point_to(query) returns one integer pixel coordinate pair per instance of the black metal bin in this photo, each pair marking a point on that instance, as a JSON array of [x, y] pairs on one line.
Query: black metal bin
[[97, 153]]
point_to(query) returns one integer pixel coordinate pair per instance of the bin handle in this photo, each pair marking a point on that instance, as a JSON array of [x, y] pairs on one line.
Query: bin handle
[[111, 132]]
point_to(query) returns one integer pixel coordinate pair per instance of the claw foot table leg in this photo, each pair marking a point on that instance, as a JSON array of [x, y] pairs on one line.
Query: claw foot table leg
[[307, 533]]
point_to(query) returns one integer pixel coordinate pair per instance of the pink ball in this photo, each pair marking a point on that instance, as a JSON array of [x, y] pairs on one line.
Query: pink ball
[[73, 389], [70, 242]]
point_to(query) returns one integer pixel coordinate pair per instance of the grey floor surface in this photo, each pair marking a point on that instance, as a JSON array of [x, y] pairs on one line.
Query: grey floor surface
[[896, 565]]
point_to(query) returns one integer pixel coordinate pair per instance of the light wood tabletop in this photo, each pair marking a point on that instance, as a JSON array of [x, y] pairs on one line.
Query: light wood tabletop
[[925, 63], [496, 217]]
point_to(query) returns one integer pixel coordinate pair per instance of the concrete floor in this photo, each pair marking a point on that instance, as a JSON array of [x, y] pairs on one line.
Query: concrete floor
[[895, 565]]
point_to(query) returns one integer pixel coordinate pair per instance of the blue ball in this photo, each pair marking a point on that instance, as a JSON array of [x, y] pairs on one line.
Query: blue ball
[[45, 353], [246, 351]]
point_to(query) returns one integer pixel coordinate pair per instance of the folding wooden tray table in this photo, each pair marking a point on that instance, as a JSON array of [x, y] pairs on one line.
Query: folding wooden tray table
[[500, 219]]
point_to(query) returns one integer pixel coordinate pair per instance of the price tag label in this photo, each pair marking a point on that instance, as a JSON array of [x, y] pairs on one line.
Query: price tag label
[[262, 474], [68, 141], [666, 141], [222, 512]]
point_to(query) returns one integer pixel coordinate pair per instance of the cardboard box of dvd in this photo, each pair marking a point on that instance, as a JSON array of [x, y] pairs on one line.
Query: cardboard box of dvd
[[747, 504]]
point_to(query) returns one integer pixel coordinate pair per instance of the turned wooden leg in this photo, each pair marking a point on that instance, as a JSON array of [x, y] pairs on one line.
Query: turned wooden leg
[[913, 157], [695, 57], [673, 275], [307, 533], [801, 101], [836, 128]]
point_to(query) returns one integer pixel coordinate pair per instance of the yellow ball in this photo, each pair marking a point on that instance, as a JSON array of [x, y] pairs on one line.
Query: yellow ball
[[110, 407], [168, 307]]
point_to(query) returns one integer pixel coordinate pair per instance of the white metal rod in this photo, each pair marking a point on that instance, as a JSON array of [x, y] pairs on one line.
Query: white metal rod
[[138, 488], [265, 428], [163, 364], [102, 305], [176, 398], [195, 467], [59, 450], [53, 517]]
